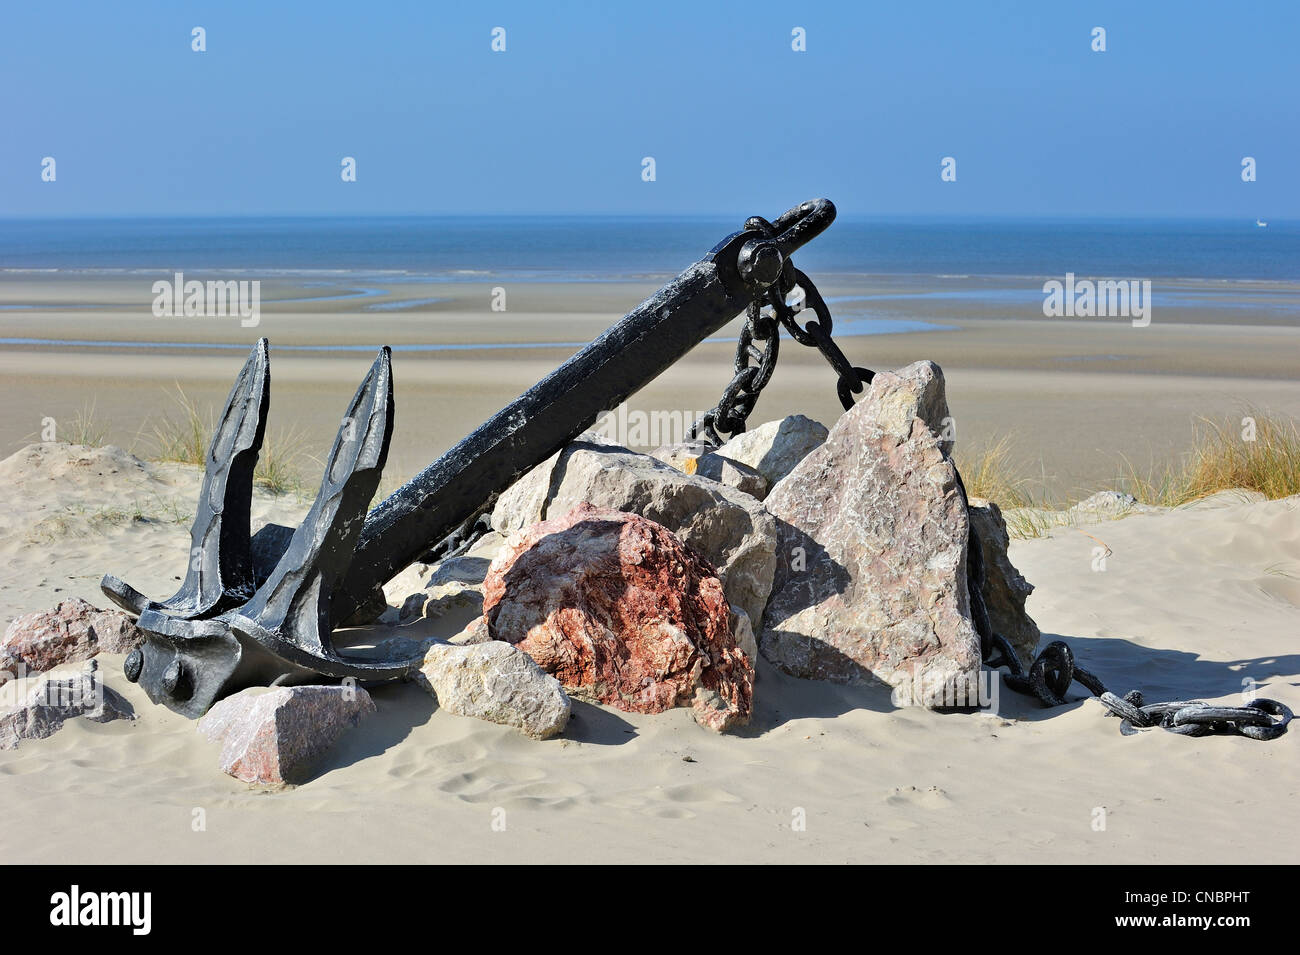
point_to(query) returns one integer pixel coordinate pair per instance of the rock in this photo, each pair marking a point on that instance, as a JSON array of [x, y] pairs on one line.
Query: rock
[[1004, 590], [700, 460], [495, 681], [621, 612], [730, 529], [476, 632], [873, 529], [273, 737], [742, 631], [57, 698], [774, 448], [1106, 502], [73, 631], [453, 586]]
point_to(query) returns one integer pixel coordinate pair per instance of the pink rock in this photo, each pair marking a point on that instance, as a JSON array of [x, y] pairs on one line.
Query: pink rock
[[873, 533], [272, 737], [71, 632], [621, 612]]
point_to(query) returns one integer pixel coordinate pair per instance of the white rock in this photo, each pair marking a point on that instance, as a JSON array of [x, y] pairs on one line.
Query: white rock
[[775, 447], [493, 681]]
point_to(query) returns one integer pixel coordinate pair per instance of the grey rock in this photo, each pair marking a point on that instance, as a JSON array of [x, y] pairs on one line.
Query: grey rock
[[699, 459], [1005, 590], [775, 447], [871, 573], [493, 681], [742, 631], [729, 528], [57, 698]]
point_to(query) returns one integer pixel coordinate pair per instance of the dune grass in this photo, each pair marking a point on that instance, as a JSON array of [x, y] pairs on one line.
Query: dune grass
[[86, 428], [183, 435], [991, 473], [1260, 452]]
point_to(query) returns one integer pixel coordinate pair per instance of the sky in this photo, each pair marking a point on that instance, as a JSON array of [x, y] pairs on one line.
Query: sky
[[1038, 123]]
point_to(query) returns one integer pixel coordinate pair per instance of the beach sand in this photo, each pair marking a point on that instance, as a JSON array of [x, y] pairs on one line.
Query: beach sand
[[1080, 400], [1193, 602]]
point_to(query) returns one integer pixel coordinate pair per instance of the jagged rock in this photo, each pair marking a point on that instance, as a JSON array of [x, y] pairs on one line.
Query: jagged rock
[[871, 579], [618, 609], [73, 631], [497, 682], [698, 459], [274, 737], [1005, 589], [57, 698], [730, 529], [775, 447]]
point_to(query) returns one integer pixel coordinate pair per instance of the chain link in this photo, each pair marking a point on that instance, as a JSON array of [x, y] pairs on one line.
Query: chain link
[[754, 365]]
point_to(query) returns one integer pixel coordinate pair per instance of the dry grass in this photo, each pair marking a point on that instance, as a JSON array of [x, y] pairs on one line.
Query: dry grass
[[183, 436], [87, 429], [990, 473], [1226, 455]]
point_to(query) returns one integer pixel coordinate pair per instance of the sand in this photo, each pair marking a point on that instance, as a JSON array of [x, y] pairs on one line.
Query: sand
[[1079, 399], [1192, 602]]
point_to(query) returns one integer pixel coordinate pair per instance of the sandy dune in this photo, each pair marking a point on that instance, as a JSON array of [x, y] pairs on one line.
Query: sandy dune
[[1191, 603]]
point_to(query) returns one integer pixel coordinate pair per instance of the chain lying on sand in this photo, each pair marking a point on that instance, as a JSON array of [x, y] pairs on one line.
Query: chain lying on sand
[[1054, 669]]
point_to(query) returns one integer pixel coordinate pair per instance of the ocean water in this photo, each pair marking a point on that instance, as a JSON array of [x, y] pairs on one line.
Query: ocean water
[[463, 249]]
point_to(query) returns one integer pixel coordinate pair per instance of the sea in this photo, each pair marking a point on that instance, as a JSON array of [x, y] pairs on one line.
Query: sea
[[578, 248], [1244, 270]]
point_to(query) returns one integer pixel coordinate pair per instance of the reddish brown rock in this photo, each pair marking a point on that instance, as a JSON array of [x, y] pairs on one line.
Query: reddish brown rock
[[71, 632], [621, 612]]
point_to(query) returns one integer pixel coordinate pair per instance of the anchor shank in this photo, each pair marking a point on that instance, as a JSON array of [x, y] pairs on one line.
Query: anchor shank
[[632, 353]]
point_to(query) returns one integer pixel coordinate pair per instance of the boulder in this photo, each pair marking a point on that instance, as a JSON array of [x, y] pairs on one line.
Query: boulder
[[70, 633], [452, 586], [730, 529], [1005, 589], [775, 447], [621, 612], [273, 737], [497, 682], [57, 698], [871, 580], [700, 459]]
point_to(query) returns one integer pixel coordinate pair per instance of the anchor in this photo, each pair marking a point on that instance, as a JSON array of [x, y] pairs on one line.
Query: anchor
[[261, 609]]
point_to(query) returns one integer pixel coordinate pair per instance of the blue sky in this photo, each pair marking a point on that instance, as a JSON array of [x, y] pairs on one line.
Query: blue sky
[[1040, 125]]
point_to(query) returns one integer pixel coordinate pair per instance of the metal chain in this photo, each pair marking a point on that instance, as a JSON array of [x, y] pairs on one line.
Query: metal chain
[[754, 365], [1054, 669]]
